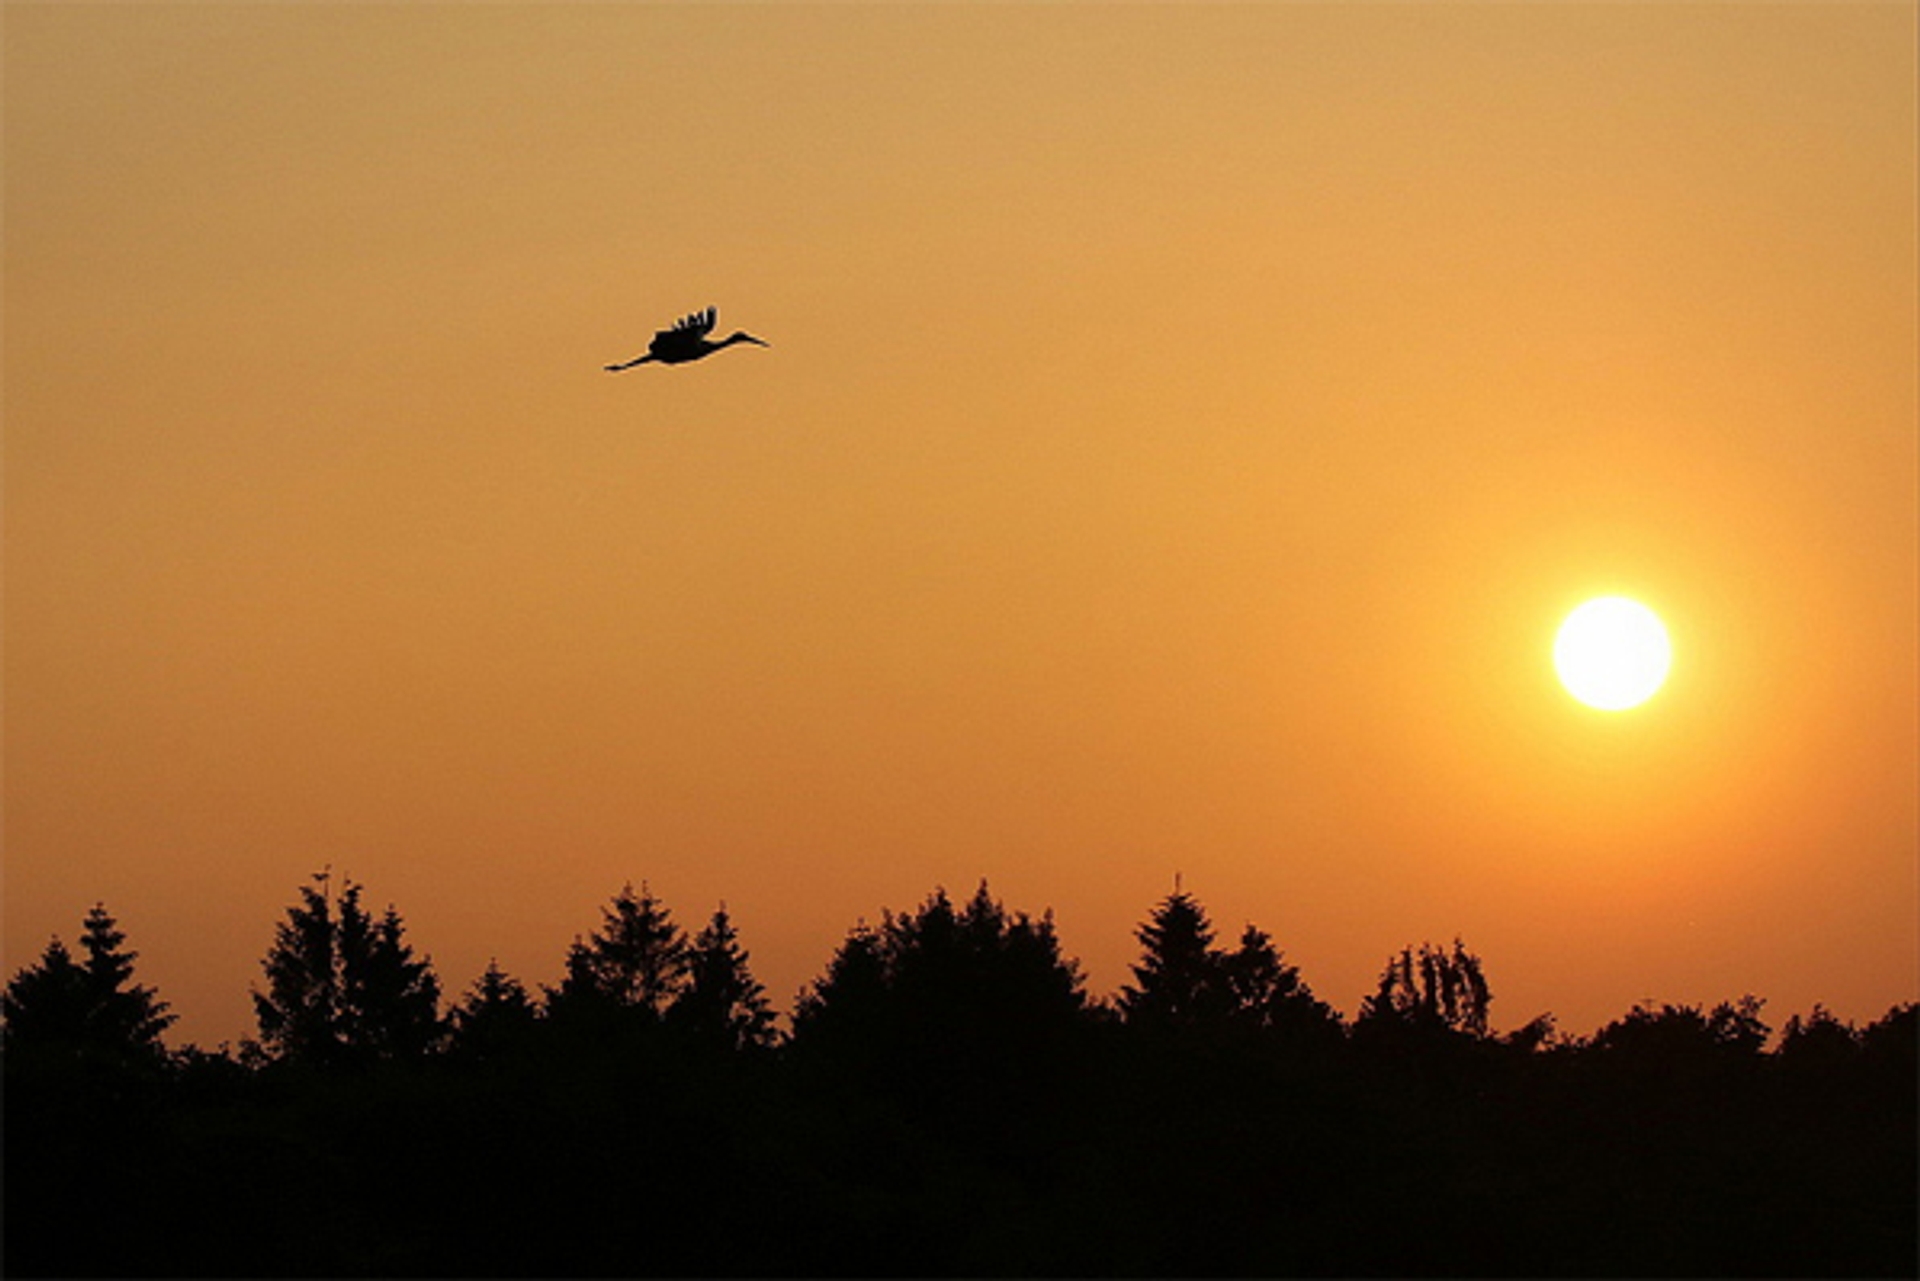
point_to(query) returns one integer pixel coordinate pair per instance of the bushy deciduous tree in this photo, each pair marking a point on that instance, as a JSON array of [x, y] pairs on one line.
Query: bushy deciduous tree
[[1675, 1036], [1434, 988], [848, 997], [1269, 994], [998, 974], [962, 1009], [1893, 1040], [1819, 1042]]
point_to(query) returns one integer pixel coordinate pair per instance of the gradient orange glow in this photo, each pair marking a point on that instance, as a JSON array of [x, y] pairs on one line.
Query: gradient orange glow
[[1184, 430]]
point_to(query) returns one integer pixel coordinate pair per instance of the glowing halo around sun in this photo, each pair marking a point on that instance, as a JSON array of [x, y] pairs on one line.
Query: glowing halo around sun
[[1612, 653]]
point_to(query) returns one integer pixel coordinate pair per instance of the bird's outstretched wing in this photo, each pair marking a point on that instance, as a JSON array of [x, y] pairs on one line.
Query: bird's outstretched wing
[[698, 325], [685, 340]]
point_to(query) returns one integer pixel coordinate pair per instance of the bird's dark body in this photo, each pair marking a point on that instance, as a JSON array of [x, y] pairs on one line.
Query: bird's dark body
[[669, 350], [687, 340]]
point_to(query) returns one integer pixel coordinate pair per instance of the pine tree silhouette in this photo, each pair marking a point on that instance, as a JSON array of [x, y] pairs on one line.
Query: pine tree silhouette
[[949, 1103], [343, 987], [1181, 980], [47, 1003], [92, 1009], [721, 1002], [636, 961], [495, 1017]]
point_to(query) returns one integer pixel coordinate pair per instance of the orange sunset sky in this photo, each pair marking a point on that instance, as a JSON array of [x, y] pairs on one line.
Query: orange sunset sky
[[1184, 429]]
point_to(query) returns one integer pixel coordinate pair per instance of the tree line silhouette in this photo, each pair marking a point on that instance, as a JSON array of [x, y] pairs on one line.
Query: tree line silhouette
[[948, 1100]]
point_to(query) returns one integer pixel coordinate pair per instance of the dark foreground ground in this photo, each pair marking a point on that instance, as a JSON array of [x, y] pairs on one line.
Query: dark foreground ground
[[1110, 1155]]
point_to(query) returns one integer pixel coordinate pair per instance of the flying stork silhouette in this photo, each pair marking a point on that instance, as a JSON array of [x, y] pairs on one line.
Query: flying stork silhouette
[[687, 340]]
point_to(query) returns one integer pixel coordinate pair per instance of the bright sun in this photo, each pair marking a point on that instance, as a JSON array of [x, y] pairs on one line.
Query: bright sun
[[1612, 653]]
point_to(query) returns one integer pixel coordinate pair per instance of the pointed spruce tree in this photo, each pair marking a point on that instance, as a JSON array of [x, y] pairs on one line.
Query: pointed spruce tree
[[495, 1016], [91, 1009], [342, 987], [721, 1003], [639, 954], [126, 1015], [299, 1013], [46, 1002], [629, 971], [390, 1002], [1181, 980]]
